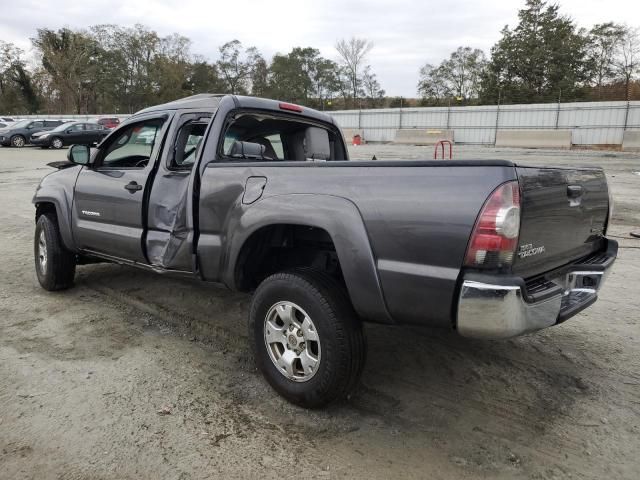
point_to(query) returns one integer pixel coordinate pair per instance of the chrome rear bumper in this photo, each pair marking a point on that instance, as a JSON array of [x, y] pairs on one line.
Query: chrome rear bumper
[[488, 310]]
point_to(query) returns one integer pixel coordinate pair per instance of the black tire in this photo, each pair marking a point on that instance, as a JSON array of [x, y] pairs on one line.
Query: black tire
[[18, 141], [340, 333], [59, 270], [53, 143]]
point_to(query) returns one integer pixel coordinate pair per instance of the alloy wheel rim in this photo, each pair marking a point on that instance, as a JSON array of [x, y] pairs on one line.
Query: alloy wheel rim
[[18, 142], [42, 252], [57, 143], [292, 341]]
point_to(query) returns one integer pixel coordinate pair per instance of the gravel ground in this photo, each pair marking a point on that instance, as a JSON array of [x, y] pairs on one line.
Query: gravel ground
[[132, 375]]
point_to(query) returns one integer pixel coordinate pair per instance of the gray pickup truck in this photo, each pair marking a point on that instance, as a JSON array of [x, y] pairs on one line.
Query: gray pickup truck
[[260, 196]]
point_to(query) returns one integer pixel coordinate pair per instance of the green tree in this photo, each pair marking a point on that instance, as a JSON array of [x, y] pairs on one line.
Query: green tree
[[303, 76], [71, 60], [17, 90], [203, 77], [234, 67], [543, 55], [458, 76], [258, 73], [432, 85]]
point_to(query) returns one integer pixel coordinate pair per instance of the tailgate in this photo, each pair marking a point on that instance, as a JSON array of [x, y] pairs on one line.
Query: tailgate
[[564, 212]]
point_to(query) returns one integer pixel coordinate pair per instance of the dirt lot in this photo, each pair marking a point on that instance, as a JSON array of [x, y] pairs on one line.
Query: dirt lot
[[84, 373]]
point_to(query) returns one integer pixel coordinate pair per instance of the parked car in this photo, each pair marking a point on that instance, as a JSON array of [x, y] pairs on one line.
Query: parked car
[[7, 119], [70, 133], [265, 200], [18, 134], [109, 122], [146, 137]]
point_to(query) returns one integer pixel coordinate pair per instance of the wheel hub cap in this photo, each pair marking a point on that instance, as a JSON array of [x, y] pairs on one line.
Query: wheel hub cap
[[292, 341], [42, 251]]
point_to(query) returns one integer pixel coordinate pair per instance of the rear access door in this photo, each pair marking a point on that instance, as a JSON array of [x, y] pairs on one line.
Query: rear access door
[[563, 217]]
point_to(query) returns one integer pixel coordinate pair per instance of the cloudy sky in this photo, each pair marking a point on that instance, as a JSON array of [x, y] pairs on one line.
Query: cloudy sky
[[406, 33]]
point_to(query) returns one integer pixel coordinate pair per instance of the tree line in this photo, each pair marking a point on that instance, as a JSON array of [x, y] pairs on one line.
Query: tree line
[[108, 68], [544, 58], [114, 69]]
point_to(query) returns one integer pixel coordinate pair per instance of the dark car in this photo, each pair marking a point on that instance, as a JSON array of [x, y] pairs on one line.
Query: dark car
[[70, 133], [109, 122], [18, 134]]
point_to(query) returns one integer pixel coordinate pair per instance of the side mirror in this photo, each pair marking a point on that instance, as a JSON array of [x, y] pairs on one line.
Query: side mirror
[[79, 154], [69, 130]]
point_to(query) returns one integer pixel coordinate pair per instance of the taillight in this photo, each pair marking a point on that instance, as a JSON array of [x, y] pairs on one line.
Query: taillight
[[495, 235]]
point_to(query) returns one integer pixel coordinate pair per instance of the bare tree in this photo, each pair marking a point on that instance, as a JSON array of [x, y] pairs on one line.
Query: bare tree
[[371, 88], [627, 63], [353, 53], [604, 42], [234, 68]]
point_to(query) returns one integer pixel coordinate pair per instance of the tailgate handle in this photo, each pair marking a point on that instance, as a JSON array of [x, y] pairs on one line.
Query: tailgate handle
[[574, 191]]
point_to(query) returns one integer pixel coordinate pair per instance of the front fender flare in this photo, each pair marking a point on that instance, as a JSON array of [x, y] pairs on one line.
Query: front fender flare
[[63, 212]]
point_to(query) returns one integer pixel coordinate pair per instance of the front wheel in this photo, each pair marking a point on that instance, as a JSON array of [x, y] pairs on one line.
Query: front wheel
[[55, 265], [56, 143], [307, 339]]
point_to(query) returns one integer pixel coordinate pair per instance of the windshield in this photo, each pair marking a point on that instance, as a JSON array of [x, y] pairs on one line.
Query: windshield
[[21, 124], [64, 126]]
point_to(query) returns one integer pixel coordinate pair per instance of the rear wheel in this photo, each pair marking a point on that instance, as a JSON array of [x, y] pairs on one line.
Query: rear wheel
[[56, 143], [18, 141], [307, 339], [55, 265]]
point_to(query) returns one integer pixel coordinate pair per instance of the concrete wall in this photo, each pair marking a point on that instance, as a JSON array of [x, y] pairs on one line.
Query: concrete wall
[[591, 123], [416, 136], [631, 141], [534, 138]]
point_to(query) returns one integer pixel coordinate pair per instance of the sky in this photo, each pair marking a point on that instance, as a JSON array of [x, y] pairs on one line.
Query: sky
[[406, 34]]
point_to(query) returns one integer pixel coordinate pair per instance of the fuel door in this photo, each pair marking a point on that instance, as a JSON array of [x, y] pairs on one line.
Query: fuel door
[[253, 189]]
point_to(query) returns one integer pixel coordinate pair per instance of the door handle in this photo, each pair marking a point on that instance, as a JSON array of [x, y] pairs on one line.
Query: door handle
[[133, 187], [574, 191]]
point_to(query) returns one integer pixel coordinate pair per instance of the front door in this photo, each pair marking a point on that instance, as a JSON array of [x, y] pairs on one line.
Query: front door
[[75, 134], [108, 210]]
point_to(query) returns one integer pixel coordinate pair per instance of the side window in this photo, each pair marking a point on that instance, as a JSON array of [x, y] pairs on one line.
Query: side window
[[133, 146], [51, 123], [188, 140], [78, 127], [37, 124], [276, 143]]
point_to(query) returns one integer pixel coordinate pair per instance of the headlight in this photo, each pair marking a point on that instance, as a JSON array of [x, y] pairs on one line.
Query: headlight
[[43, 136]]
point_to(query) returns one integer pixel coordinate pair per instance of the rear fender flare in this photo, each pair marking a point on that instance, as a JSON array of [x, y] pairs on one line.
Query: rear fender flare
[[341, 219]]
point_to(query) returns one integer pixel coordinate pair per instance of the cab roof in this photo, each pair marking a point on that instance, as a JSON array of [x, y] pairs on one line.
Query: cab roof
[[211, 101]]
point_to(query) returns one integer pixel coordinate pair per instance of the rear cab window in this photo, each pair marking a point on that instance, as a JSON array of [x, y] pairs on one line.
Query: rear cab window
[[266, 137]]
